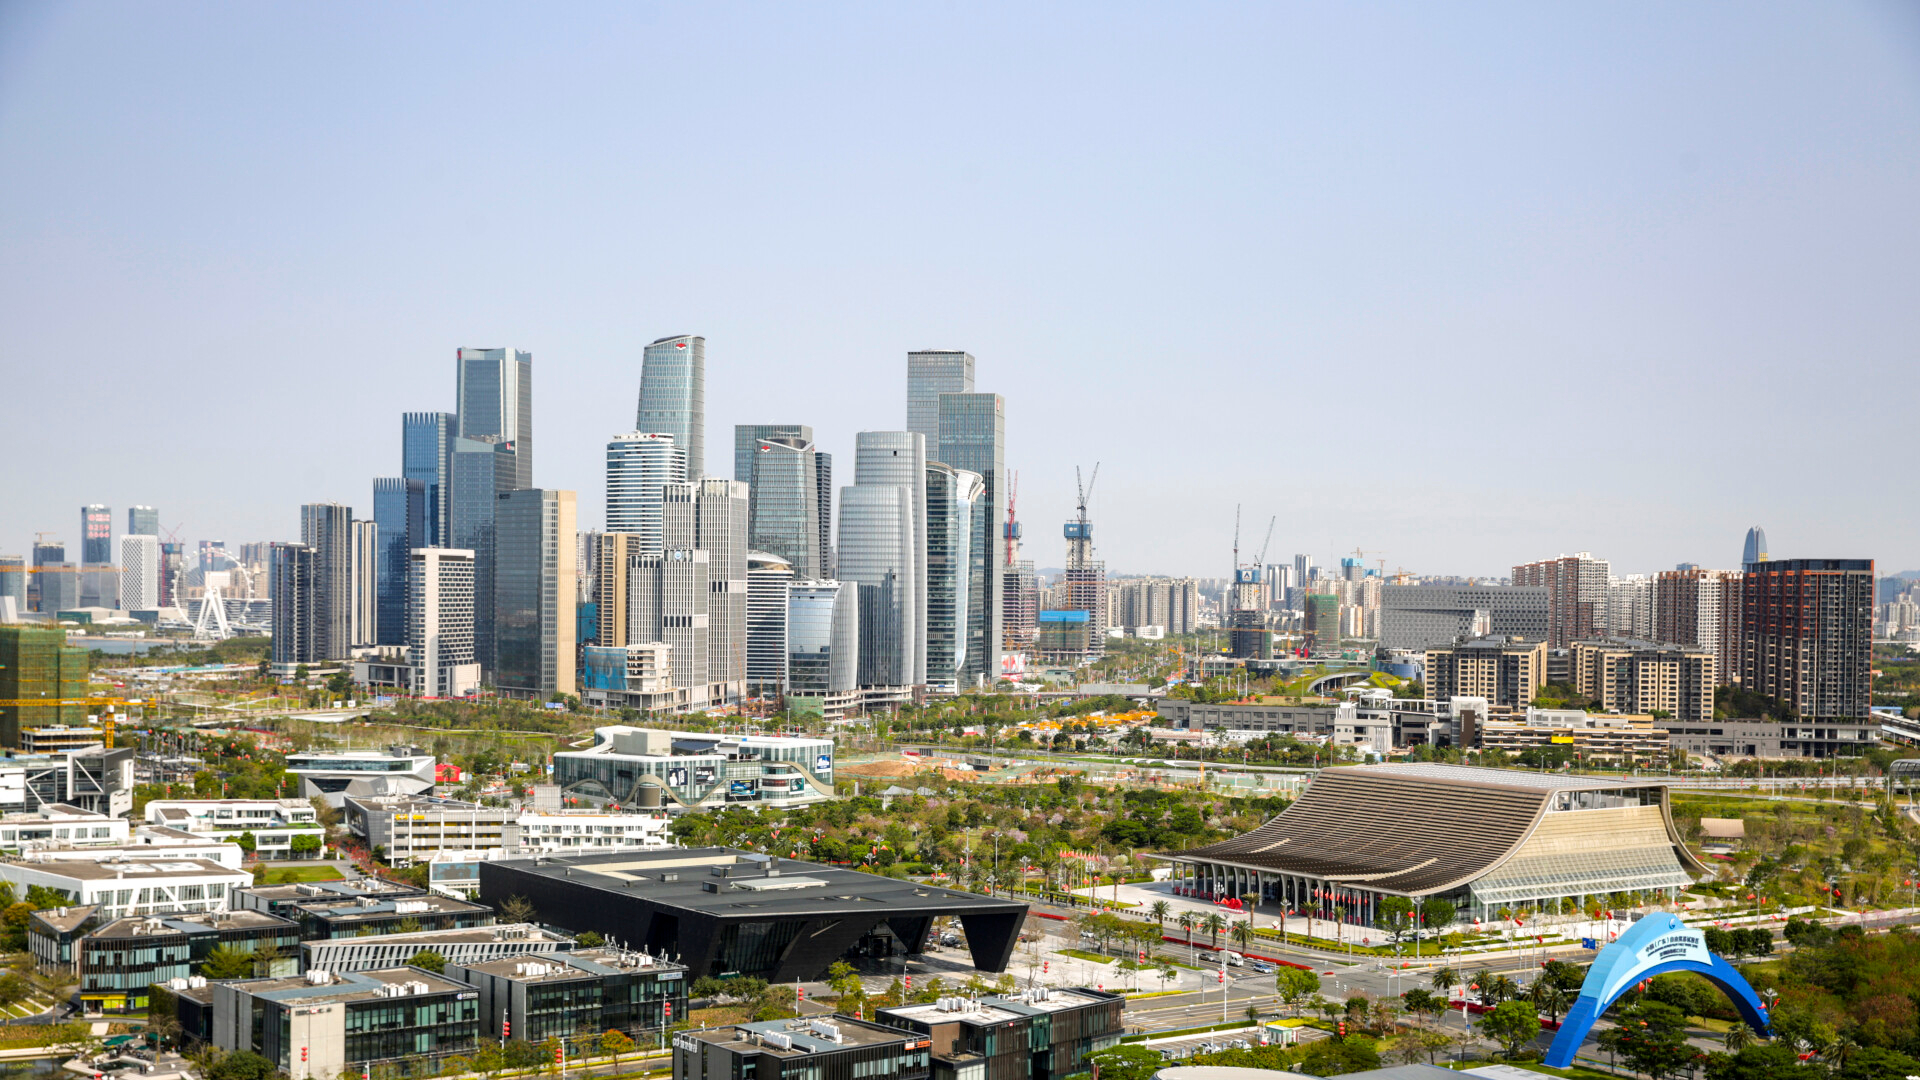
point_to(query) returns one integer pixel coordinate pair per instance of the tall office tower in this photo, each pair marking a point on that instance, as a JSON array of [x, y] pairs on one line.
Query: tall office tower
[[327, 531], [363, 609], [823, 479], [899, 459], [96, 535], [783, 478], [404, 514], [768, 577], [37, 665], [951, 496], [1279, 580], [615, 554], [496, 398], [877, 557], [673, 396], [173, 574], [1576, 595], [1806, 635], [426, 455], [1755, 551], [973, 436], [13, 583], [711, 515], [59, 587], [930, 373], [534, 593], [1084, 583], [823, 638], [140, 572], [143, 521], [484, 468], [1302, 578], [639, 466], [1630, 604], [1701, 607], [44, 554], [292, 590], [748, 437], [440, 612], [667, 597]]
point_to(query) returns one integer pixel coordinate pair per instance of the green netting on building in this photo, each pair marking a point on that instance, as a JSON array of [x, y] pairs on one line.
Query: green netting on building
[[38, 664]]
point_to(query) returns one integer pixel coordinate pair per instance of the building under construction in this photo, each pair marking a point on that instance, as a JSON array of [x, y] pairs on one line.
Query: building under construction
[[1246, 614], [37, 665], [1085, 580], [1020, 585]]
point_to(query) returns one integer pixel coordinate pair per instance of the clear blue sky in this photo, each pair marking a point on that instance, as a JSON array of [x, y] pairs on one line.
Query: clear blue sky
[[1462, 284]]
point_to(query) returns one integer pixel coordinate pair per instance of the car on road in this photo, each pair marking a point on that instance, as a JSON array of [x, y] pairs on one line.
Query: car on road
[[1261, 966], [1235, 959]]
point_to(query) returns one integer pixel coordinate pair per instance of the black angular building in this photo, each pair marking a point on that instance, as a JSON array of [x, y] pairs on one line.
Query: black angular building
[[724, 912]]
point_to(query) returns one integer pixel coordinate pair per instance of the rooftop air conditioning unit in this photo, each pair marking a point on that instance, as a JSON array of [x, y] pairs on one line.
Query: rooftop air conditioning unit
[[780, 1039], [319, 977]]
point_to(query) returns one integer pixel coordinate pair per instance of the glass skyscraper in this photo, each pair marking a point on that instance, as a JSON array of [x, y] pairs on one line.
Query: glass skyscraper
[[930, 373], [823, 637], [496, 398], [326, 529], [673, 396], [639, 466], [768, 577], [483, 469], [973, 436], [426, 455], [535, 593], [877, 556], [96, 535], [951, 494], [784, 491], [143, 521], [746, 440], [400, 510], [899, 459]]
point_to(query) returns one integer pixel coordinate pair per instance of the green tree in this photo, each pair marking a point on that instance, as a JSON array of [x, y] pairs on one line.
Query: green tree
[[227, 962], [1651, 1036], [1295, 985], [1512, 1024], [241, 1065], [429, 960], [614, 1043], [1127, 1062], [589, 940], [518, 909]]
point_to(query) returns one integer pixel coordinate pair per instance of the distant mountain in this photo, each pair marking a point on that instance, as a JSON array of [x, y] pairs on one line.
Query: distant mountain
[[1908, 575]]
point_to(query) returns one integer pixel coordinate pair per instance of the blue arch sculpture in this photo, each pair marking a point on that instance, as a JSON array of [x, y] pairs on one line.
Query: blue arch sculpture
[[1653, 946]]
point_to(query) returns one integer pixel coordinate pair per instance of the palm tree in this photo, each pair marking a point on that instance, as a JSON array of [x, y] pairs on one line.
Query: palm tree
[[1187, 920], [1483, 984], [1160, 910], [1504, 989], [1313, 908], [1213, 924], [1547, 997], [1738, 1038], [1243, 934], [1444, 980]]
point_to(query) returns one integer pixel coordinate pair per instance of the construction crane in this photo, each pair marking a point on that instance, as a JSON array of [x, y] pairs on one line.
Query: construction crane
[[1268, 542], [1086, 492], [1013, 524]]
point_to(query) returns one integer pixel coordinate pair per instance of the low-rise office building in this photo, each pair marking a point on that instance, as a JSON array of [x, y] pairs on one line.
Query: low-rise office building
[[823, 1048], [56, 738], [282, 899], [128, 887], [96, 780], [582, 992], [1043, 1034], [1261, 718], [325, 1024], [280, 828], [145, 843], [1590, 735], [646, 769], [122, 958], [473, 945], [57, 825], [564, 831], [397, 770], [409, 828], [322, 919], [1772, 739]]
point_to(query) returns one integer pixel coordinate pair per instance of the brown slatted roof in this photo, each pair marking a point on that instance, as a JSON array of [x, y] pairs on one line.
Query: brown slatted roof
[[1412, 830]]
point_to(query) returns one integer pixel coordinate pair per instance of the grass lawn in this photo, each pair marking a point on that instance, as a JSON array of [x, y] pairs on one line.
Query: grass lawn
[[1085, 955], [1708, 1023], [297, 873]]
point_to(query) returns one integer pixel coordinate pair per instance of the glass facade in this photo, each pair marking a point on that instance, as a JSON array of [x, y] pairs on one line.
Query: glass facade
[[768, 579], [823, 637], [931, 373], [784, 512], [535, 592], [639, 466], [496, 399], [951, 494], [483, 469], [426, 455], [898, 459], [673, 396], [973, 436], [400, 511], [877, 557], [747, 438], [96, 535]]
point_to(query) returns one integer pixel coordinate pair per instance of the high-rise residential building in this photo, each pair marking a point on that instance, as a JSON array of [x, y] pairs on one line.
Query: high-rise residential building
[[37, 665], [327, 531], [1084, 584], [640, 465], [1699, 607], [292, 590], [783, 478], [1630, 607], [96, 535], [930, 373], [1416, 616], [952, 495], [403, 512], [896, 459], [426, 456], [973, 436], [59, 587], [1171, 604], [483, 470], [748, 437], [496, 399], [1506, 671], [667, 602], [710, 515], [439, 611], [1755, 551], [768, 578], [1576, 595], [1806, 635], [877, 558], [1279, 579], [363, 609], [1302, 574], [673, 396], [143, 521], [1020, 606], [534, 593], [139, 572], [1642, 678], [823, 638]]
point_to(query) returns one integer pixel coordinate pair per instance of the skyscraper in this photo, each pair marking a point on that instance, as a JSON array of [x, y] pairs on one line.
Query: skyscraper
[[1576, 595], [535, 593], [673, 396], [139, 572], [747, 439], [143, 521], [639, 466], [96, 535], [710, 516], [13, 582], [667, 602], [615, 555], [404, 514], [483, 469], [439, 634], [496, 398], [951, 497], [930, 373], [326, 529], [768, 579], [44, 554], [877, 557], [426, 455], [899, 459], [173, 574], [973, 436], [823, 638], [291, 587], [1701, 607], [783, 491], [1756, 548], [1806, 635], [363, 607]]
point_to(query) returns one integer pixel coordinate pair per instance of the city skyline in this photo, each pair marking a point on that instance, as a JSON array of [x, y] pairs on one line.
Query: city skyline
[[1667, 239]]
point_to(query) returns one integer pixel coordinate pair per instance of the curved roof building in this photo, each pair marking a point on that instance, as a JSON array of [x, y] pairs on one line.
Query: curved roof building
[[1483, 838]]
